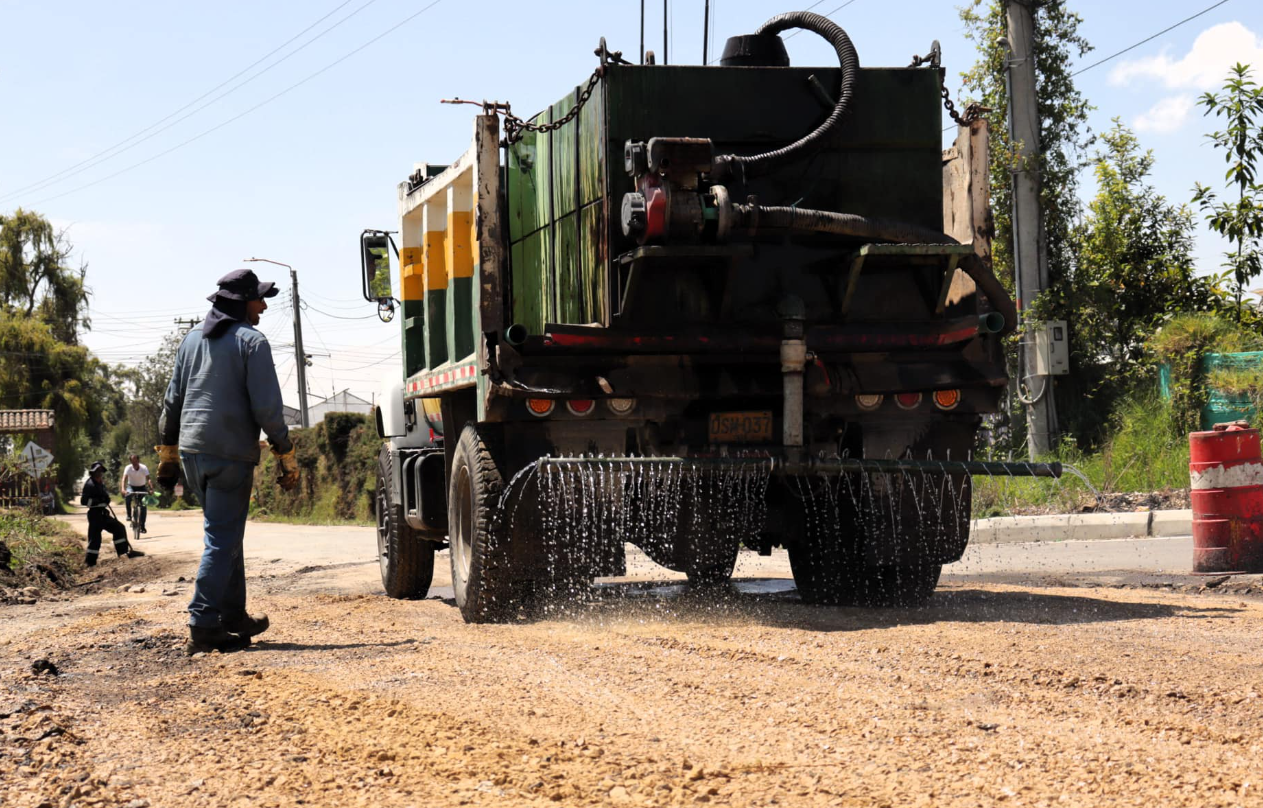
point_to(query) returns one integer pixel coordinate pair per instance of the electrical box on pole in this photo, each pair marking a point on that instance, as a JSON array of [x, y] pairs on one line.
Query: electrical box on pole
[[1052, 349]]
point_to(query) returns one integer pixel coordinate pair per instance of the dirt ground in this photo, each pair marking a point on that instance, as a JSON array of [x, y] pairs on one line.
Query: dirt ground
[[1053, 691]]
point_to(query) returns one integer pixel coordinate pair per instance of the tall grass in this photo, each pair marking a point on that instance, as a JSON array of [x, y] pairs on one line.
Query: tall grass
[[1145, 452], [35, 539]]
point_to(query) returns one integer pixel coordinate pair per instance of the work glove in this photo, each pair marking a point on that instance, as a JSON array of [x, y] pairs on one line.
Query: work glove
[[168, 466], [286, 469]]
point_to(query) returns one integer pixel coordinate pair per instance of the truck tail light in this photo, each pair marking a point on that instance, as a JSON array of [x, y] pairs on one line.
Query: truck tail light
[[620, 406], [908, 401], [946, 399], [868, 401], [540, 407], [581, 406]]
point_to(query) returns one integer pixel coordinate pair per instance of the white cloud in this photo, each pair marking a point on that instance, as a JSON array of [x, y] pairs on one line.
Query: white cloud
[[1205, 65], [1167, 115]]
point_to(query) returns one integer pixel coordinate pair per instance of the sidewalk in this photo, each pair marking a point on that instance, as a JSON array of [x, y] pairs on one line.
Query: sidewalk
[[1082, 527]]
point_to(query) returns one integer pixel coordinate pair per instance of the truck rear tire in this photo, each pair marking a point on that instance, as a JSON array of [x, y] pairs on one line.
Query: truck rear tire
[[896, 586], [481, 573], [829, 576], [406, 559]]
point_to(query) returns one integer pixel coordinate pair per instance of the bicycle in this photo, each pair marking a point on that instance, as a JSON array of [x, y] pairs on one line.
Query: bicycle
[[137, 497]]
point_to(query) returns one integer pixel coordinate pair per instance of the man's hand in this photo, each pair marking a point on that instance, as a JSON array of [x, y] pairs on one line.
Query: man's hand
[[286, 468], [168, 466]]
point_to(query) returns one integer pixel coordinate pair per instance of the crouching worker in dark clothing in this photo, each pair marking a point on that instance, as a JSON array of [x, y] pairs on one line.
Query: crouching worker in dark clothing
[[222, 392], [101, 518]]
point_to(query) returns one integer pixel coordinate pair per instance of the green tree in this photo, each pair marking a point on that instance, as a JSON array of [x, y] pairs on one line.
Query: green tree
[[36, 279], [1063, 115], [38, 370], [1240, 220], [43, 307], [1133, 266]]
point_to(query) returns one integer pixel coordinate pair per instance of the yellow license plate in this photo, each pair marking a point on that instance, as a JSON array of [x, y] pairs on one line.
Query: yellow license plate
[[741, 427]]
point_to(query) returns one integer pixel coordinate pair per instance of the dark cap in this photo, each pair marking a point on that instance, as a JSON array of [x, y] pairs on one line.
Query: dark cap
[[243, 284], [95, 467]]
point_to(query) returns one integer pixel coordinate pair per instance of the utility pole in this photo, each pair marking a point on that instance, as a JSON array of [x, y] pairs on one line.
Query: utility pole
[[300, 356], [1030, 254], [188, 324]]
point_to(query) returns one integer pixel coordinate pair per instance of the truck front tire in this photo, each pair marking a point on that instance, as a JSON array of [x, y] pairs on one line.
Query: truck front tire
[[406, 559]]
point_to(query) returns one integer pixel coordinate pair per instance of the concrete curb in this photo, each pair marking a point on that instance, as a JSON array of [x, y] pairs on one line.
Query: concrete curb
[[1082, 527]]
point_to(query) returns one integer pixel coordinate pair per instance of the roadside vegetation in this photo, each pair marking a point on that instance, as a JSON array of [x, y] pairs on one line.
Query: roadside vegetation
[[1123, 276], [41, 550], [338, 458]]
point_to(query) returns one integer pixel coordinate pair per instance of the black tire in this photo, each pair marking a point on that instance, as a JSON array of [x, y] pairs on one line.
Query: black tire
[[135, 519], [482, 576], [896, 586], [820, 563], [406, 559], [824, 576], [713, 572]]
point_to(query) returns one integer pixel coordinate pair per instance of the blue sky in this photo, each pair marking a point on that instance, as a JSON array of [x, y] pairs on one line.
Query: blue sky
[[297, 178]]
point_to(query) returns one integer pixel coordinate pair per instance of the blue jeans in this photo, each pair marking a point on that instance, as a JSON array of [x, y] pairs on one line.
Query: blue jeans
[[223, 487]]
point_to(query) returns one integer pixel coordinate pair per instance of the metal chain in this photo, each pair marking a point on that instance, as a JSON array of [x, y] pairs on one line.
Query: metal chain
[[934, 59], [516, 128], [972, 112]]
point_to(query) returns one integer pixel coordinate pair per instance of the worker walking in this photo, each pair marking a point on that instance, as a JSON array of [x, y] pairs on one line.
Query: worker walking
[[101, 517], [222, 392]]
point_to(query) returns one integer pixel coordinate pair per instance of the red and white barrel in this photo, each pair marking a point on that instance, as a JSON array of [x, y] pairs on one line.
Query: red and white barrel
[[1226, 477]]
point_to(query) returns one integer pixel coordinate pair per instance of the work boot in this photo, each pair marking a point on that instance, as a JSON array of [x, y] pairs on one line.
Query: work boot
[[132, 552], [247, 626], [206, 640], [89, 560]]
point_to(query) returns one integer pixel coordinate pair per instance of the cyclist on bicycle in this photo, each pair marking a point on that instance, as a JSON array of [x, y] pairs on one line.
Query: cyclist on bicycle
[[135, 485]]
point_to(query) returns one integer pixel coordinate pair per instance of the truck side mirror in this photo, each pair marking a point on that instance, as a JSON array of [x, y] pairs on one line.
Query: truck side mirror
[[375, 264]]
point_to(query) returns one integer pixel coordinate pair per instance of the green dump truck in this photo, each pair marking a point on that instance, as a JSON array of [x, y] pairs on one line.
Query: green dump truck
[[693, 308]]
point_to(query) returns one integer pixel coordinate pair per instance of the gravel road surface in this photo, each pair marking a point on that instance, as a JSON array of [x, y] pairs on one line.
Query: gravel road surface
[[1088, 673]]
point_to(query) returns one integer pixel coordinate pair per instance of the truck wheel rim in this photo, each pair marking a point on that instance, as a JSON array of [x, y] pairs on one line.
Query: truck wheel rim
[[463, 545], [383, 527]]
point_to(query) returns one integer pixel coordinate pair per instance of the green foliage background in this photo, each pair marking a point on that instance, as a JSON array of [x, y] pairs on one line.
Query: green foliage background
[[338, 459]]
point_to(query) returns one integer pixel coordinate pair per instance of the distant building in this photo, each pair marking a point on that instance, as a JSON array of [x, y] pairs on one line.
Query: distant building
[[344, 401]]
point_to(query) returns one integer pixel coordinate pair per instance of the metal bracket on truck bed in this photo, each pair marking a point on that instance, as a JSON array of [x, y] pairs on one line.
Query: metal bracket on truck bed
[[952, 253]]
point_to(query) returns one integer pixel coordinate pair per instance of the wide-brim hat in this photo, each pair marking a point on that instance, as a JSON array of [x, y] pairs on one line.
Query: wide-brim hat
[[95, 467], [243, 284]]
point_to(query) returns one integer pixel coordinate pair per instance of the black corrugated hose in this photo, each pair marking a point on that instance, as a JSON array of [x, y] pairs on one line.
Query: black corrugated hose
[[805, 220], [728, 165]]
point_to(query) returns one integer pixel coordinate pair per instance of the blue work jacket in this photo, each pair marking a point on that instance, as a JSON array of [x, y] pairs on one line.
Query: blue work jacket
[[222, 392]]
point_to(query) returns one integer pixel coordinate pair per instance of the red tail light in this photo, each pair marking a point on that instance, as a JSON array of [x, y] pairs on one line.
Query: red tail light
[[908, 401], [580, 406]]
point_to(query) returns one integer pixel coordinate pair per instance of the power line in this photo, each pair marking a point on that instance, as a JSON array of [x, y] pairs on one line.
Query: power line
[[1169, 28], [826, 14], [308, 306], [241, 115], [1149, 39], [89, 162], [344, 371]]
